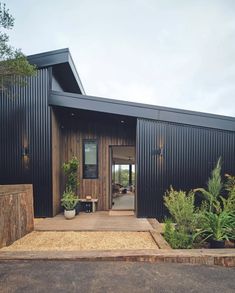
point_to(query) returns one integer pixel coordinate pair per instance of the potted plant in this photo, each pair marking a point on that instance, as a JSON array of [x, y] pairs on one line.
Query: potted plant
[[216, 228], [217, 222], [69, 199], [69, 202]]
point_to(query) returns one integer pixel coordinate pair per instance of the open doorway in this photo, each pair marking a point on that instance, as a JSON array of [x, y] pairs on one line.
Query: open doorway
[[123, 178]]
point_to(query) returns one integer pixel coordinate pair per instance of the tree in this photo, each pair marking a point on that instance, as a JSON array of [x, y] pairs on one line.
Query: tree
[[14, 66]]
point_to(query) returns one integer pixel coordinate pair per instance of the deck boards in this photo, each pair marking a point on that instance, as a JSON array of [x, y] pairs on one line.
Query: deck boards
[[98, 221]]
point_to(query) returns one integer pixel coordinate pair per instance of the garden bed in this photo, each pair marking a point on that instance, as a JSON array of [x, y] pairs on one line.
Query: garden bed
[[211, 224]]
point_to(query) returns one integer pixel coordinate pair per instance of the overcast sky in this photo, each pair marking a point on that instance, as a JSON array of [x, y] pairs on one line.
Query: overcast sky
[[175, 53]]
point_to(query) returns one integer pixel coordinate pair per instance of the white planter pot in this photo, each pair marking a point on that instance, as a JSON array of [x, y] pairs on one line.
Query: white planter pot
[[69, 214]]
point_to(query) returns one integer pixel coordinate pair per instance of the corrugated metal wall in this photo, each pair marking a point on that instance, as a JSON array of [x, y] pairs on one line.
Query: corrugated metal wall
[[189, 154], [25, 122]]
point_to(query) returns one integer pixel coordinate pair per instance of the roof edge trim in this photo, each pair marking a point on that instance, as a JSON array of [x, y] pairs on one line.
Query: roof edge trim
[[52, 58], [139, 110]]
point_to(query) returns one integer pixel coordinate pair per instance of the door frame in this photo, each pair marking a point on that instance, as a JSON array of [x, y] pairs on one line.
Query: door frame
[[110, 175]]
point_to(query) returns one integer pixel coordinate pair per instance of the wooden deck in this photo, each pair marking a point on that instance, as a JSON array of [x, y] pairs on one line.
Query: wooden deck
[[98, 221]]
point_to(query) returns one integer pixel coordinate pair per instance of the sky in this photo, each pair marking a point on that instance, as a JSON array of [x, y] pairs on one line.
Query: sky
[[174, 53]]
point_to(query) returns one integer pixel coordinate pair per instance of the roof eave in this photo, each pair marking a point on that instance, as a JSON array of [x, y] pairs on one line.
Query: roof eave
[[138, 110], [56, 57]]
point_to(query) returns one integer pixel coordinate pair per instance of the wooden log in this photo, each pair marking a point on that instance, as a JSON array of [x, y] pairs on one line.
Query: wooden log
[[16, 212]]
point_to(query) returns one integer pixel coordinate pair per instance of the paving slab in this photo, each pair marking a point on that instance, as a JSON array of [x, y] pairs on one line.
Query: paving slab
[[98, 221]]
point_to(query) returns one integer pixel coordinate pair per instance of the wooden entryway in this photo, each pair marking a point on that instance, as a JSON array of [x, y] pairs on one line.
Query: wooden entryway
[[98, 221], [122, 178], [71, 129]]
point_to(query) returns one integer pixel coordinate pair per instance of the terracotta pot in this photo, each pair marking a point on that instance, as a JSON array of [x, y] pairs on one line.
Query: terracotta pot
[[69, 214], [217, 243]]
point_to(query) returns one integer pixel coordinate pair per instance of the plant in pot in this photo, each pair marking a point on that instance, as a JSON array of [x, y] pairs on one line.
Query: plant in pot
[[217, 222], [69, 202], [216, 228], [69, 199]]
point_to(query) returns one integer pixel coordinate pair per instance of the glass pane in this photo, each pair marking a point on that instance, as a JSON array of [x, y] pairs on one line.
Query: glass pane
[[90, 153], [120, 174]]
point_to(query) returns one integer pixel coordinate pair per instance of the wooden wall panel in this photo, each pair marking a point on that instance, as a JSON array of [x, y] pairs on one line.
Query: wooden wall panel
[[16, 212], [107, 132], [56, 163]]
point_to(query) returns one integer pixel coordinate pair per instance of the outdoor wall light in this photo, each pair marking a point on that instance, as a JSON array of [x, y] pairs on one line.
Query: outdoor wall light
[[25, 151], [159, 151]]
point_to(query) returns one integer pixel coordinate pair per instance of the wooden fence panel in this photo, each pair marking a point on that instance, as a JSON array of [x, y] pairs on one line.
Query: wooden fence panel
[[16, 212]]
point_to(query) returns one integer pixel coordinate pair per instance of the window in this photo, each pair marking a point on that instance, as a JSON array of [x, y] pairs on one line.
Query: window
[[90, 159]]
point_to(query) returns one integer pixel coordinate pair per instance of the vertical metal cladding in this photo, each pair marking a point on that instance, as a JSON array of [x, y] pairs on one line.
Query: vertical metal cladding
[[189, 154], [25, 126]]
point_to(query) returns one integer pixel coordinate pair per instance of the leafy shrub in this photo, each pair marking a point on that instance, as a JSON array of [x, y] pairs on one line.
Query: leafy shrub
[[168, 230], [229, 202], [177, 238], [182, 209], [70, 169], [213, 220], [230, 182]]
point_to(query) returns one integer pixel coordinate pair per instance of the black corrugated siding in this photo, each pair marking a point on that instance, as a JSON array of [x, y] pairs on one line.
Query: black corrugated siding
[[25, 120], [189, 154]]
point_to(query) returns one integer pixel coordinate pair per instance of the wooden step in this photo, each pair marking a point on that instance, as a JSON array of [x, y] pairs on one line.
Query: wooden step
[[121, 213]]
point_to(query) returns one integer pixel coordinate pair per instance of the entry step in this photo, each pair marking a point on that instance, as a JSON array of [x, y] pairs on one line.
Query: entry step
[[121, 213]]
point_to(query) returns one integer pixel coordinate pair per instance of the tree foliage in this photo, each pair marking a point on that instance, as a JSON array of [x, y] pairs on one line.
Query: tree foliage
[[122, 177], [14, 66]]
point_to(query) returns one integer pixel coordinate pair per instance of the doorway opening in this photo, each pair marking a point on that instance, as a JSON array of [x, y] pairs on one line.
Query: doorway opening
[[123, 178]]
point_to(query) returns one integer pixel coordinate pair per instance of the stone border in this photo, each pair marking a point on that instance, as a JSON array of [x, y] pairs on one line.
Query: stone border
[[221, 257]]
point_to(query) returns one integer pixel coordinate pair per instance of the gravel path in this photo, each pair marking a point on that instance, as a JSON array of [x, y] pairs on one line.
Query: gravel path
[[70, 241]]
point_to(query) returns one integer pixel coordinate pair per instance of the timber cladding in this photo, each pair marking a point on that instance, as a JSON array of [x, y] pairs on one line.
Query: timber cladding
[[16, 212], [56, 163], [73, 131]]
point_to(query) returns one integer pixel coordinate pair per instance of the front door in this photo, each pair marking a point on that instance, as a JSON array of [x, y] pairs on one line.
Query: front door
[[122, 178]]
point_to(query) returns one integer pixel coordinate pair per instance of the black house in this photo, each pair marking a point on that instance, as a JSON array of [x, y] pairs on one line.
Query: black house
[[51, 119]]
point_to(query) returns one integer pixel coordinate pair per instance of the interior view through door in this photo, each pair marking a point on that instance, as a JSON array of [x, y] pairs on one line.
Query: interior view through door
[[123, 178]]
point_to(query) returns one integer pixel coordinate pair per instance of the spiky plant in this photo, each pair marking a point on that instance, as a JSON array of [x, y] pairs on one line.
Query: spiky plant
[[69, 200], [214, 186], [217, 226]]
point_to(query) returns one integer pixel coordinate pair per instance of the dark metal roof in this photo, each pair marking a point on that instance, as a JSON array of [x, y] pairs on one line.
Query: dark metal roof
[[60, 59], [139, 110]]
